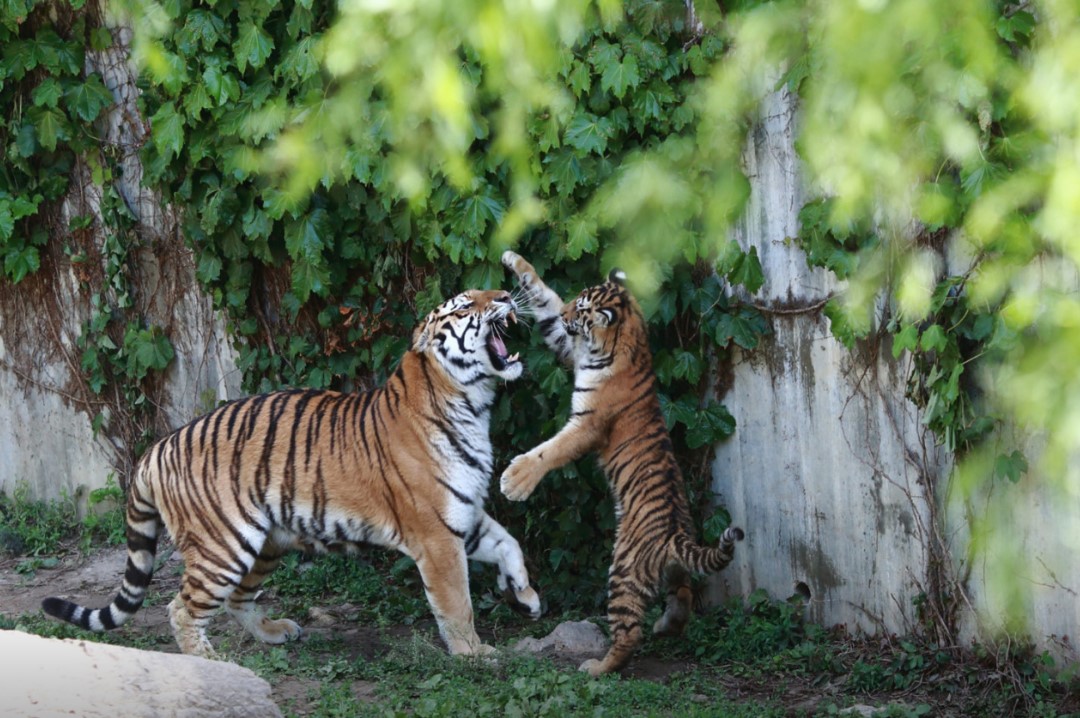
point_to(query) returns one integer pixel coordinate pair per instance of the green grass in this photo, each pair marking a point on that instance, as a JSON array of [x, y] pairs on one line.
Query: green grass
[[39, 530], [34, 528], [760, 646]]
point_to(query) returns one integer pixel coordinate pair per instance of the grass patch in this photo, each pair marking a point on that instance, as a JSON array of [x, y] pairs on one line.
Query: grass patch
[[752, 658], [40, 530], [34, 528]]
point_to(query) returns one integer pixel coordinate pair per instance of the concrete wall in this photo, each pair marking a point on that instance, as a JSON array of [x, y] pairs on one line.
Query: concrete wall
[[844, 495], [46, 439]]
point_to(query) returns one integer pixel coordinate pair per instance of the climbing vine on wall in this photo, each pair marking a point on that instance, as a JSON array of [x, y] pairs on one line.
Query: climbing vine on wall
[[950, 331], [322, 289], [60, 205]]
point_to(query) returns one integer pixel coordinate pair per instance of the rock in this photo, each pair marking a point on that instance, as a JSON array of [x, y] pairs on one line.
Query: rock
[[47, 677], [862, 710], [578, 638]]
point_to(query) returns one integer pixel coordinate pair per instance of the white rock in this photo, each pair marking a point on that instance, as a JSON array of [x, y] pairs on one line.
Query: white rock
[[570, 637], [47, 677]]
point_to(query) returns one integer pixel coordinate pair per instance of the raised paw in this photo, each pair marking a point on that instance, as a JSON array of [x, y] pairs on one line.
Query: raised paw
[[517, 264], [521, 477], [525, 601]]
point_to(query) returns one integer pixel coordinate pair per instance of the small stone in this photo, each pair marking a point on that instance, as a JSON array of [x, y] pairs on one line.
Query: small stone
[[577, 638]]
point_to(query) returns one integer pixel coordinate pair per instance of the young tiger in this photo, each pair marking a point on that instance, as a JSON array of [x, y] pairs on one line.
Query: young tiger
[[616, 412], [405, 466]]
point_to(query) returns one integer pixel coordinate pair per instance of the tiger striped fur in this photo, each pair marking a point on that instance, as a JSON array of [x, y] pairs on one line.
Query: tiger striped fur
[[615, 411], [405, 466]]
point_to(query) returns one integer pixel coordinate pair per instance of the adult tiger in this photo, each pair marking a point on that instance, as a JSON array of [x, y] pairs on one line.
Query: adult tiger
[[616, 412], [405, 466]]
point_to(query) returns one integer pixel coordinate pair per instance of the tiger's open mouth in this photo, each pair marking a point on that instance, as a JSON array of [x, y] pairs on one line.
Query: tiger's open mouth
[[496, 348]]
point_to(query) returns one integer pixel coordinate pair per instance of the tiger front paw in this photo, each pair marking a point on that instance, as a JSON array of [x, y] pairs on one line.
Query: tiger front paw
[[521, 477], [517, 264]]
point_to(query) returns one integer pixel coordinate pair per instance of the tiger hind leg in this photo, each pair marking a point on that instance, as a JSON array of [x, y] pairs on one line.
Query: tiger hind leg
[[205, 587], [190, 633], [241, 602], [680, 601], [628, 596]]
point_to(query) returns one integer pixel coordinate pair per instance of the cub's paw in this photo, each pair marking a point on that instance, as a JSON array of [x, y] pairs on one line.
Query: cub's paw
[[517, 264], [593, 667], [521, 477]]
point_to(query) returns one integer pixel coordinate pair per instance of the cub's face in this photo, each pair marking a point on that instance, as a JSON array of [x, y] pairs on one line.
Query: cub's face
[[600, 317], [465, 336]]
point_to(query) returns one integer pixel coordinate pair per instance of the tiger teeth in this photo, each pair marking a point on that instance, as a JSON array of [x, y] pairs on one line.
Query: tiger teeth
[[512, 316], [513, 357]]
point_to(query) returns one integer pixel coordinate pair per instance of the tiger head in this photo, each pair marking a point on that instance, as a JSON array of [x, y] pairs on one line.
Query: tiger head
[[603, 319], [464, 333]]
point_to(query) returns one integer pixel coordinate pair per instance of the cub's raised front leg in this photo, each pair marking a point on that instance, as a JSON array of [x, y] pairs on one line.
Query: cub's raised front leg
[[521, 477]]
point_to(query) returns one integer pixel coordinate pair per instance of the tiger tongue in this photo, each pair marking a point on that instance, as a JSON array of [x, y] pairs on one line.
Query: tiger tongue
[[497, 345]]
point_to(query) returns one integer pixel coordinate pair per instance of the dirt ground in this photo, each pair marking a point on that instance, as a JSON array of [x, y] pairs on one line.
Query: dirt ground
[[93, 580]]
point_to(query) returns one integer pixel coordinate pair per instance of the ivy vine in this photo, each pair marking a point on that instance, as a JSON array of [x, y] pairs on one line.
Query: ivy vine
[[956, 331], [323, 291]]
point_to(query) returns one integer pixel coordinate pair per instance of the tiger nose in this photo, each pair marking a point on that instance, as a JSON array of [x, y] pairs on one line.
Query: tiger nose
[[503, 296]]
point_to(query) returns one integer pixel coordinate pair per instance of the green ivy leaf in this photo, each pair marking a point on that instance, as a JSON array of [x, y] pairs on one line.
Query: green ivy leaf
[[745, 269], [712, 424], [252, 47], [1017, 27], [209, 268], [306, 237], [687, 366], [581, 237], [7, 221], [88, 98], [484, 276], [100, 38], [167, 130], [1011, 466], [146, 350], [201, 29], [47, 93], [564, 169], [309, 278], [618, 77], [300, 62], [51, 126], [26, 140], [579, 79], [906, 339], [475, 212], [221, 85], [933, 338], [20, 262], [588, 133], [603, 55], [745, 327], [839, 323]]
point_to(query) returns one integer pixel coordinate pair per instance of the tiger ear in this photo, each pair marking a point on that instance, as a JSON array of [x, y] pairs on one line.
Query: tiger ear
[[617, 276], [421, 336]]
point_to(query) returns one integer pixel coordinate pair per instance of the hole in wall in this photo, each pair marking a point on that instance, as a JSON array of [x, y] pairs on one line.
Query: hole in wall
[[802, 590]]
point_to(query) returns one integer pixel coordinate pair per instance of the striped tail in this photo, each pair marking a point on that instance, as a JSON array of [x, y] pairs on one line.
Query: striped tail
[[702, 559], [143, 528]]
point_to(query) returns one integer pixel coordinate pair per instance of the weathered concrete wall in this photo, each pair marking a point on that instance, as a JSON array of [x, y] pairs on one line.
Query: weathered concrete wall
[[825, 470], [46, 440], [844, 495]]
